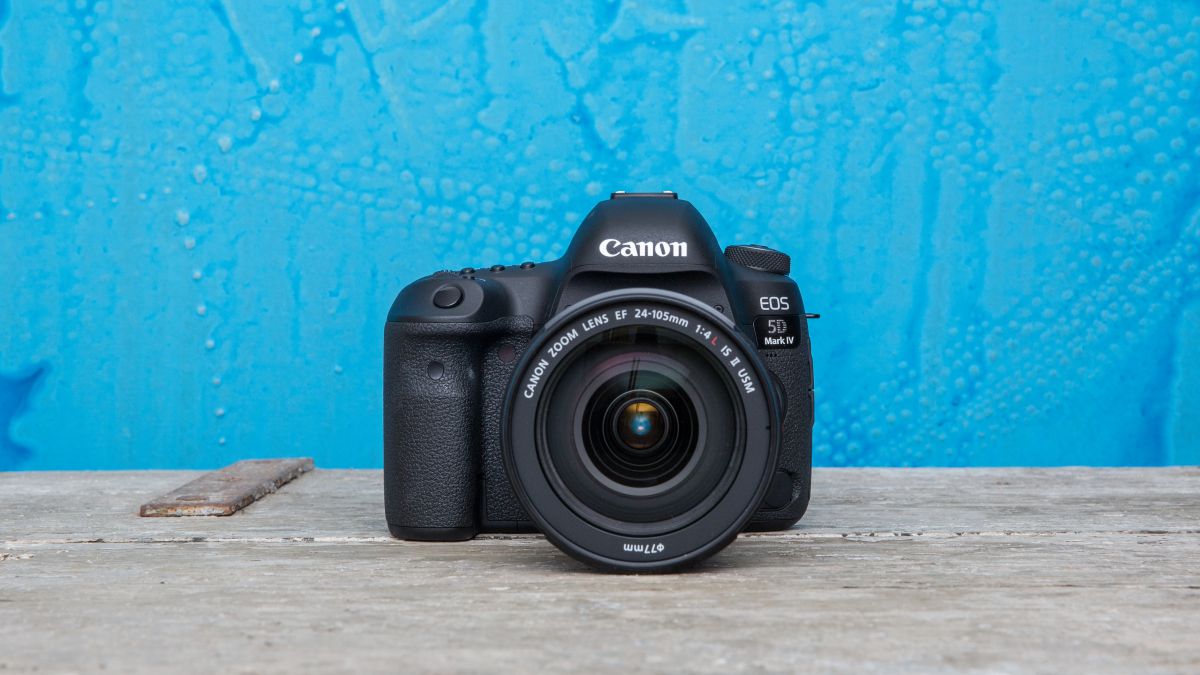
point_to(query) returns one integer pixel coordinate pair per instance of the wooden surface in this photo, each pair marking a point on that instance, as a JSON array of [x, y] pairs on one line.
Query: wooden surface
[[929, 570], [226, 491]]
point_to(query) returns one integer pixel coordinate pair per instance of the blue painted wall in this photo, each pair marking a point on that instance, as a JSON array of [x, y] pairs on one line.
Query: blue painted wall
[[207, 207]]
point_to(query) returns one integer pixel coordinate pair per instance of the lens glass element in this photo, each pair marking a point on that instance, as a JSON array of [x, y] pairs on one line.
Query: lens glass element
[[640, 426], [632, 431]]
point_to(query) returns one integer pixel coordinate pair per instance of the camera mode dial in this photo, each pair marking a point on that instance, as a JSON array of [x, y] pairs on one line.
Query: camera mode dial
[[759, 258]]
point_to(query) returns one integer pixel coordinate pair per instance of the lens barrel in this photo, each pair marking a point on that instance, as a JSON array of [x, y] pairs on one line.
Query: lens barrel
[[638, 430]]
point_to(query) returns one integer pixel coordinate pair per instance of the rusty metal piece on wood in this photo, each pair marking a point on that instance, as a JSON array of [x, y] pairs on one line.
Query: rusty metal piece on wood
[[227, 491]]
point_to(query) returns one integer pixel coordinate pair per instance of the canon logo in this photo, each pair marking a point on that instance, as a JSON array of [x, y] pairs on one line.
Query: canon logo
[[612, 248]]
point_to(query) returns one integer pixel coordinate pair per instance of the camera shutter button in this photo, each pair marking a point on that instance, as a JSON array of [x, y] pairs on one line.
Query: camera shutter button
[[447, 296], [759, 258]]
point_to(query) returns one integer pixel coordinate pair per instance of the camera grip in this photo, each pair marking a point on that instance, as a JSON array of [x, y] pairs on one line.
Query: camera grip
[[793, 370], [431, 430]]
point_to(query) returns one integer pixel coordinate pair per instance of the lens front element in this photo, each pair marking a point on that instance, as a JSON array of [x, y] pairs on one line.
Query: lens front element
[[640, 425], [637, 444]]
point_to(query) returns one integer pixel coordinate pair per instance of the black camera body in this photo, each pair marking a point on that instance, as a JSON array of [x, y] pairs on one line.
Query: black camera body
[[640, 400]]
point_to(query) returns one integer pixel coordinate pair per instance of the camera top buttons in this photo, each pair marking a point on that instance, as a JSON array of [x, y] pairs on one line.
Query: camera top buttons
[[467, 270], [527, 265], [759, 258], [447, 296], [497, 268]]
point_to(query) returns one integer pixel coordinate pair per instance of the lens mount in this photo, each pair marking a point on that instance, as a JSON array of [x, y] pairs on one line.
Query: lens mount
[[638, 431]]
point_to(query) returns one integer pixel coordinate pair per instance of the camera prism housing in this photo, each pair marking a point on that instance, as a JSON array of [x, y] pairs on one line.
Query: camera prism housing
[[640, 401]]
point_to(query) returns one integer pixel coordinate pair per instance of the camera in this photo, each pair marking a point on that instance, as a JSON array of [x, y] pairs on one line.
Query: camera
[[640, 401]]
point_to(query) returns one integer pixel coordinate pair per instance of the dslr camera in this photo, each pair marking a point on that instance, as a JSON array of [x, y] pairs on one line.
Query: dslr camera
[[640, 401]]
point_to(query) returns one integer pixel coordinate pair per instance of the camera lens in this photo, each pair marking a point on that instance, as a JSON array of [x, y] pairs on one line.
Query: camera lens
[[640, 429], [638, 432]]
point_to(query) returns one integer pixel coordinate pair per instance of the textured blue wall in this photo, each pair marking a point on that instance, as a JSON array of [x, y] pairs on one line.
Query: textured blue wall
[[206, 208]]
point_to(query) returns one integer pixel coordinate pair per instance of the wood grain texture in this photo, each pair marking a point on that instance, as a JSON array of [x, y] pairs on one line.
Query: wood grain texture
[[1005, 570], [228, 490]]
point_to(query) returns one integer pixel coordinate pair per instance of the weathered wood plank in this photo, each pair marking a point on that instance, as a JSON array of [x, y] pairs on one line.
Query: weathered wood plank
[[1005, 570], [228, 490], [339, 505], [1052, 603]]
